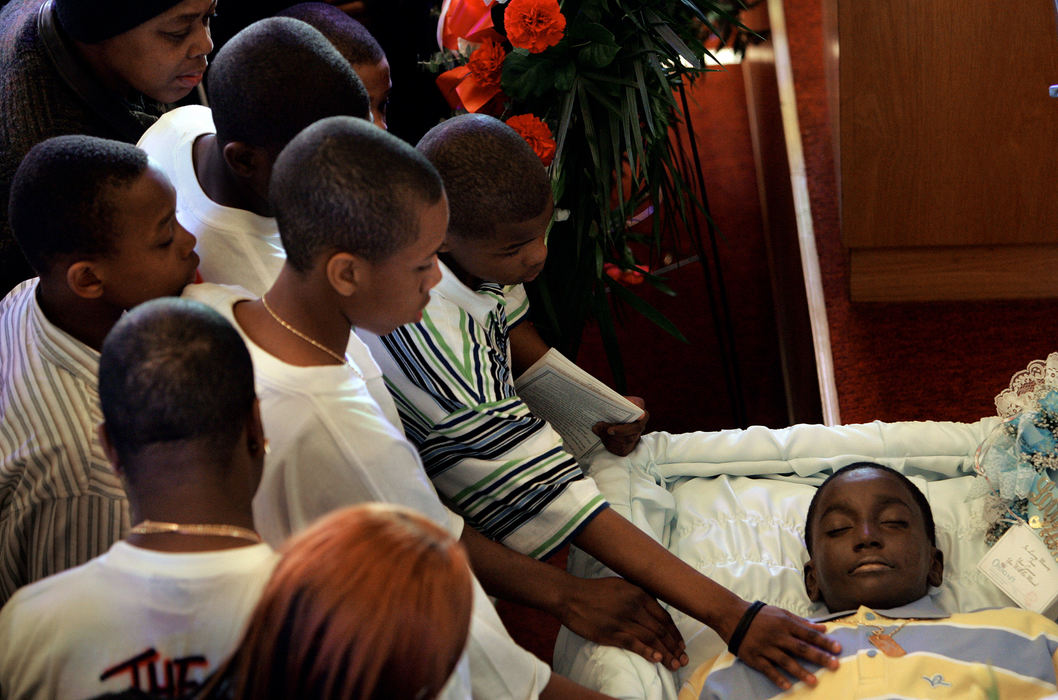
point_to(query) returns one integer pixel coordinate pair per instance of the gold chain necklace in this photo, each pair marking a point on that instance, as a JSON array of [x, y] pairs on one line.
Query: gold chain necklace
[[316, 344], [151, 527]]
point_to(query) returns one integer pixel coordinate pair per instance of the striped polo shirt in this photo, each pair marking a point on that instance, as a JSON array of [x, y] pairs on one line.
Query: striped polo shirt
[[503, 468], [964, 655], [61, 504]]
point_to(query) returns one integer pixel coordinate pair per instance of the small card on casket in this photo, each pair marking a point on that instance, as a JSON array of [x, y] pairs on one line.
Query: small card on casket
[[1022, 566]]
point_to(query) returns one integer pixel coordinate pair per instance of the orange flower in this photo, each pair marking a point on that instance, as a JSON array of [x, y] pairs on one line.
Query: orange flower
[[486, 63], [537, 134], [534, 24]]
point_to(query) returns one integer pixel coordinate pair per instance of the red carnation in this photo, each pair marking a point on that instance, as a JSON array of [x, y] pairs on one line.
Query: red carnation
[[537, 134], [534, 24], [486, 63]]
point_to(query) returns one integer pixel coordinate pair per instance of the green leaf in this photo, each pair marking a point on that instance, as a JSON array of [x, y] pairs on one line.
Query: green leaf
[[604, 316], [564, 77], [563, 124], [677, 44], [597, 45], [589, 125], [641, 83], [598, 55], [653, 315], [526, 76], [635, 136]]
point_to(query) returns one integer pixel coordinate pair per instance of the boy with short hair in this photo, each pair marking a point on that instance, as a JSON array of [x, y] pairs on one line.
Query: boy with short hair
[[161, 610], [97, 221], [362, 216], [872, 559], [357, 45], [504, 469], [273, 79]]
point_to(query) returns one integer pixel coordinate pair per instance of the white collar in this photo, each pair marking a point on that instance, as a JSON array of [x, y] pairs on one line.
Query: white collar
[[479, 304], [923, 608]]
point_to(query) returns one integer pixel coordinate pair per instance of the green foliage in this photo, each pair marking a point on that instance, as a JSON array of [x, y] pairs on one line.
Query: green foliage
[[607, 92], [612, 107]]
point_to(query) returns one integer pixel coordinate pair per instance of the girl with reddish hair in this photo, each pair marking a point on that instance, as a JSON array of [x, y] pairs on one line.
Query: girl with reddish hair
[[373, 601]]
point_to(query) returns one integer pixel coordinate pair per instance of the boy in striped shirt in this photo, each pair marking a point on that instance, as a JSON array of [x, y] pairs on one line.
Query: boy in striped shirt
[[505, 470], [96, 220], [873, 557]]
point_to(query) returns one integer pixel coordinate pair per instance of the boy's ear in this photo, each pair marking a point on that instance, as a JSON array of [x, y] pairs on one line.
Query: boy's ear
[[936, 568], [84, 279], [256, 442], [244, 160], [346, 273], [812, 583]]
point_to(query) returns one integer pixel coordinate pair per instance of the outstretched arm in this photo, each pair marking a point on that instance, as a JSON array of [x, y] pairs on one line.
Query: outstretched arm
[[607, 610], [775, 642]]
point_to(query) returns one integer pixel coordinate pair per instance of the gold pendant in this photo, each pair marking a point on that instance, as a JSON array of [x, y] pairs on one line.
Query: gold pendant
[[888, 646]]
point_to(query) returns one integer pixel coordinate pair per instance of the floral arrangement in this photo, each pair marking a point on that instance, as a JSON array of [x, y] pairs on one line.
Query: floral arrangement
[[1018, 460], [593, 87]]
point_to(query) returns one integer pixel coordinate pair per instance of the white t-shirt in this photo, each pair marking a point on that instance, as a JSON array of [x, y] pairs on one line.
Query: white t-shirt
[[332, 446], [130, 618], [235, 246]]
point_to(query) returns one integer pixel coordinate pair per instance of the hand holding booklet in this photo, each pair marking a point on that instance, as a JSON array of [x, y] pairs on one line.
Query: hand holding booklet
[[572, 401]]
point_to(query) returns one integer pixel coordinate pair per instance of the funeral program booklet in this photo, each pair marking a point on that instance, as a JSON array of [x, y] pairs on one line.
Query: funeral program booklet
[[572, 401]]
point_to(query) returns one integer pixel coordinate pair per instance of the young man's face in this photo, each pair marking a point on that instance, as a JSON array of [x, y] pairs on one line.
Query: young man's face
[[375, 77], [165, 57], [152, 255], [515, 252], [394, 292], [869, 544]]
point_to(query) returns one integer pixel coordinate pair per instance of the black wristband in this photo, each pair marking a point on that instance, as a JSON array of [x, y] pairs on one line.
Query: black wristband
[[743, 626]]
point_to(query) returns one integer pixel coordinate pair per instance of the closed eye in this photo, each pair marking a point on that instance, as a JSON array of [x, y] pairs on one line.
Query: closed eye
[[836, 531]]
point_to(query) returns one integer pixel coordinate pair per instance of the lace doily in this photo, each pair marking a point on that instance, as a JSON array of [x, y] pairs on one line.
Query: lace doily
[[1028, 386]]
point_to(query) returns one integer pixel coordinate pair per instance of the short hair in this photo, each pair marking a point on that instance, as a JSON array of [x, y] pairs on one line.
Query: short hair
[[344, 185], [276, 77], [373, 601], [174, 370], [62, 197], [916, 494], [346, 34], [491, 175]]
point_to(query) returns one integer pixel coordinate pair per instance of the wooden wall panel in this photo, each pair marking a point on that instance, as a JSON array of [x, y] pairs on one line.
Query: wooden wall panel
[[947, 133]]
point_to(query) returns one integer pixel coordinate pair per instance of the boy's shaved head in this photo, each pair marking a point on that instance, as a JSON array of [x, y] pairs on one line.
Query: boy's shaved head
[[491, 175], [348, 36], [276, 77], [343, 185], [174, 370], [63, 197]]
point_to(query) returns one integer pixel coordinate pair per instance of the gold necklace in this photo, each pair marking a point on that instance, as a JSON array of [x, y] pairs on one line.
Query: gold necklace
[[152, 527], [316, 344]]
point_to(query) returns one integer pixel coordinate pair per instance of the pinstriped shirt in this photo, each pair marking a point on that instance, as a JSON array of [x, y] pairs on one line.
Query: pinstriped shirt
[[61, 504], [503, 468]]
